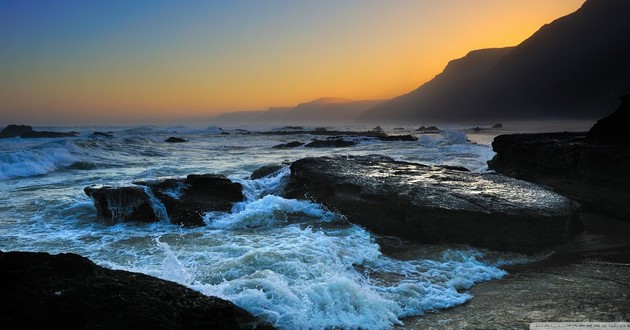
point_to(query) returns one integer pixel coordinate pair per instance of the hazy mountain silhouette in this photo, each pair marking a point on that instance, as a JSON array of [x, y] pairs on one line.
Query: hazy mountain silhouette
[[574, 67], [326, 109]]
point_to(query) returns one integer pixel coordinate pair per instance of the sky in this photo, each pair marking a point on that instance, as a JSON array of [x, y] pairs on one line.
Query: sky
[[120, 62]]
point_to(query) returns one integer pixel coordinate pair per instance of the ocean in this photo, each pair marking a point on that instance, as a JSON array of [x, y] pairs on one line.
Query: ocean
[[294, 263]]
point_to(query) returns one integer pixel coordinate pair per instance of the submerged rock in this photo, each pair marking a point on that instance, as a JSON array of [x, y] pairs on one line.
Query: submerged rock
[[183, 201], [432, 204], [67, 291], [330, 143], [293, 144], [174, 139]]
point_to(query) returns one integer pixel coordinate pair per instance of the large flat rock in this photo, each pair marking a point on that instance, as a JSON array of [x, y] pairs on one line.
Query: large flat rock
[[592, 173], [433, 204]]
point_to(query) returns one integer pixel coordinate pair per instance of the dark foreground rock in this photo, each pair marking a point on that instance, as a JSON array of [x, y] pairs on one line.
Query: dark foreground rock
[[613, 130], [67, 291], [434, 204], [595, 174], [587, 280], [26, 132], [184, 201]]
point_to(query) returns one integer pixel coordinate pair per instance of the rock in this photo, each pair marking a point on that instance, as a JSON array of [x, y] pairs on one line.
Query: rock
[[595, 174], [430, 204], [428, 130], [122, 204], [174, 139], [498, 125], [67, 291], [398, 138], [264, 171], [15, 131], [293, 144], [333, 143], [320, 129], [184, 201], [27, 132], [614, 128], [47, 134], [377, 129]]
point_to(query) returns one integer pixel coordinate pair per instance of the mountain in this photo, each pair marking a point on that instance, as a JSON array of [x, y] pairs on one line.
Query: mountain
[[326, 109], [574, 67]]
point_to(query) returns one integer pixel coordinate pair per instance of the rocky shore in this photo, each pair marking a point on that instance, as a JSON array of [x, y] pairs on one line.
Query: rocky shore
[[591, 168], [67, 291]]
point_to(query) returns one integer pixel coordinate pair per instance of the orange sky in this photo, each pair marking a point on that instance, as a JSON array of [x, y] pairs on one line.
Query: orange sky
[[115, 63]]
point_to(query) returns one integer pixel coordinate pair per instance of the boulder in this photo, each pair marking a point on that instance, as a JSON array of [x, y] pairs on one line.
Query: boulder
[[183, 201], [174, 139], [592, 173], [67, 291], [122, 204], [432, 204], [264, 171], [26, 132], [293, 144], [15, 131], [331, 143]]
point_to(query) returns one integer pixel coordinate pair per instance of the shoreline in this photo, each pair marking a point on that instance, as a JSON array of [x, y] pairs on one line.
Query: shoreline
[[585, 280]]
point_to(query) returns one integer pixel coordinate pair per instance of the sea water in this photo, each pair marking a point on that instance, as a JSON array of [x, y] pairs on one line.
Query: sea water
[[292, 262]]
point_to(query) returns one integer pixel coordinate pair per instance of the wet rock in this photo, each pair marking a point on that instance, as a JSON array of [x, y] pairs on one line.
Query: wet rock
[[293, 144], [184, 201], [174, 139], [398, 138], [593, 173], [67, 291], [27, 132], [15, 131], [431, 204], [332, 143], [122, 204], [498, 125], [264, 171]]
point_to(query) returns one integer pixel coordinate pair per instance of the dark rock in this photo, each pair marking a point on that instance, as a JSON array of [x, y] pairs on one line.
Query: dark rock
[[595, 174], [320, 129], [225, 133], [292, 128], [101, 135], [613, 129], [67, 291], [265, 171], [293, 144], [334, 143], [377, 129], [15, 131], [174, 139], [27, 132], [432, 204], [121, 204], [398, 138], [185, 201], [48, 134], [499, 125], [428, 130]]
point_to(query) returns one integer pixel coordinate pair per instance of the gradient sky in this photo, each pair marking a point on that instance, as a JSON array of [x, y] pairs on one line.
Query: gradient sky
[[116, 62]]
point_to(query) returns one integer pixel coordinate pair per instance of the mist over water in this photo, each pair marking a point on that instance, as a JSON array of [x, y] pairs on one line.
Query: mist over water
[[292, 262]]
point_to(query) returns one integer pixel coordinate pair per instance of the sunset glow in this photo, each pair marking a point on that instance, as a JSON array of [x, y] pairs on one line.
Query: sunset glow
[[77, 62]]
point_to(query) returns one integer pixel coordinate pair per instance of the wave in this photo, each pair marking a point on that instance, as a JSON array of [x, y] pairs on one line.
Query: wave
[[24, 160]]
